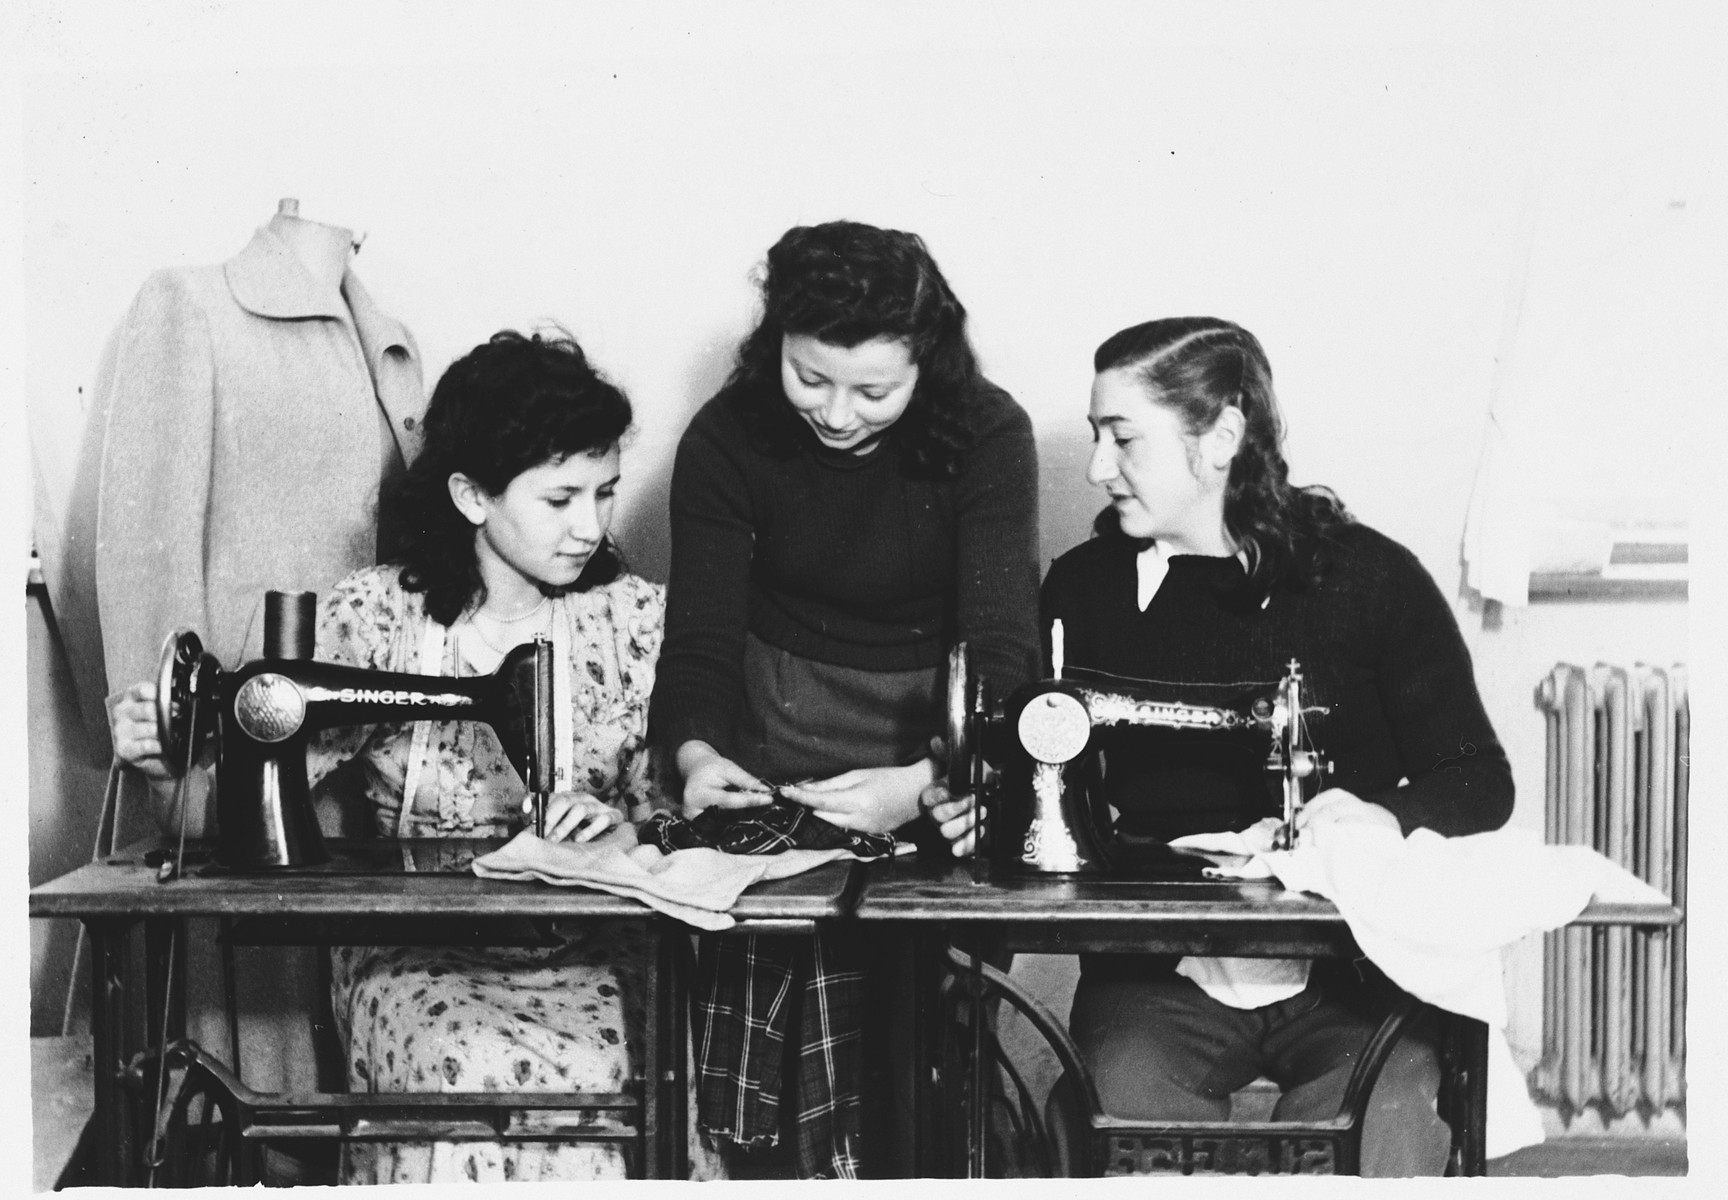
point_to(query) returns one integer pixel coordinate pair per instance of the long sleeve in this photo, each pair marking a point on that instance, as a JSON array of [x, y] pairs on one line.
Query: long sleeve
[[1459, 781], [155, 482], [713, 539], [997, 551]]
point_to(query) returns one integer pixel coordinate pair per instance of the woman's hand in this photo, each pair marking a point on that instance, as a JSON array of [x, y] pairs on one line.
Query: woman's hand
[[870, 800], [132, 723], [955, 816], [575, 816], [711, 780], [1335, 806]]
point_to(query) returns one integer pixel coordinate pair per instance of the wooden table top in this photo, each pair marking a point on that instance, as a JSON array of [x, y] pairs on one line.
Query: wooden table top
[[426, 878], [1065, 916], [432, 878], [1193, 917], [914, 889]]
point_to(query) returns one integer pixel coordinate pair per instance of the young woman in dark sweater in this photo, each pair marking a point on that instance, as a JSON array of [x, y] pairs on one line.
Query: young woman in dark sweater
[[856, 499], [1210, 571]]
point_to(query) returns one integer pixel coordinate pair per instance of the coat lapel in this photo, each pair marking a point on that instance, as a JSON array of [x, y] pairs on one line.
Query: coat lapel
[[394, 361], [268, 281]]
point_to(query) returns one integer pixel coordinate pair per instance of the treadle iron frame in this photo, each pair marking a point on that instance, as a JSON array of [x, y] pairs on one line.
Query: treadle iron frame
[[249, 1119], [211, 1118], [1105, 1145]]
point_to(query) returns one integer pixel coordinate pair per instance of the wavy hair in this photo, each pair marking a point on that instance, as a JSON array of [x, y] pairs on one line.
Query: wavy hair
[[509, 404], [1198, 366], [846, 283]]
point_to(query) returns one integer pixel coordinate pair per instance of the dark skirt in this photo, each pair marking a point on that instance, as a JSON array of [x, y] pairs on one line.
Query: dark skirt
[[803, 719]]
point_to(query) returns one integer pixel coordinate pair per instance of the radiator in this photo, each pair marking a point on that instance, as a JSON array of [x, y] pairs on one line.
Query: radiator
[[1614, 1000]]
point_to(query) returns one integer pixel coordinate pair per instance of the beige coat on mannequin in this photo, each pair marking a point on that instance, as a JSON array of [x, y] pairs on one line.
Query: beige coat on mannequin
[[243, 450], [241, 430]]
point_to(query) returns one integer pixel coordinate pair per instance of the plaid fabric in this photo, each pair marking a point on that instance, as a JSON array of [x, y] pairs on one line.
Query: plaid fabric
[[751, 993], [768, 829], [756, 996]]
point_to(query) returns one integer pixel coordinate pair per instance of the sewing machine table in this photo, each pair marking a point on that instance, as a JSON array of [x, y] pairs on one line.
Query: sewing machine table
[[940, 902], [379, 892]]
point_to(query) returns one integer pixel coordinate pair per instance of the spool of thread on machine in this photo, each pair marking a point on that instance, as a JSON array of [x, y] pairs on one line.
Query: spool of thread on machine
[[290, 624]]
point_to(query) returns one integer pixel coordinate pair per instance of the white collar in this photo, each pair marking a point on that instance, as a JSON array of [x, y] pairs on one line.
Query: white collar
[[1152, 564]]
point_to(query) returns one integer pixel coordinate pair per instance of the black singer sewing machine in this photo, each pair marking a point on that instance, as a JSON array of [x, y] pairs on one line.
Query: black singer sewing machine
[[263, 714], [1042, 812]]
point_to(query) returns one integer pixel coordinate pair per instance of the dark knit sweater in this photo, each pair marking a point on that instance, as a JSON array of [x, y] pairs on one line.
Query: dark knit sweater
[[843, 559], [1378, 646]]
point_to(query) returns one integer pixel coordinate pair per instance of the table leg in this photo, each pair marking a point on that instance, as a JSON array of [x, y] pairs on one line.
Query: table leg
[[927, 1062], [976, 1125], [655, 1150], [894, 1084], [1473, 1054], [1465, 1094], [112, 1119], [165, 968], [677, 988]]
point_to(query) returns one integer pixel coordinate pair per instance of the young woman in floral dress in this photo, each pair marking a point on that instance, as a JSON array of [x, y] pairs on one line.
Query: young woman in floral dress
[[501, 524]]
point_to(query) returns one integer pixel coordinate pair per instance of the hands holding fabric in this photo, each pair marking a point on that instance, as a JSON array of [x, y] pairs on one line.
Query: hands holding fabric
[[867, 800], [711, 780]]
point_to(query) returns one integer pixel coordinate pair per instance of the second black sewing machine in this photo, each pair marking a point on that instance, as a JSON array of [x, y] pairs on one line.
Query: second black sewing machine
[[1033, 761]]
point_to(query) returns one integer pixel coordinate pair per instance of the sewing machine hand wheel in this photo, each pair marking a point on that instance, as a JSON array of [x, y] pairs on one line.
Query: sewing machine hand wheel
[[960, 735], [185, 698]]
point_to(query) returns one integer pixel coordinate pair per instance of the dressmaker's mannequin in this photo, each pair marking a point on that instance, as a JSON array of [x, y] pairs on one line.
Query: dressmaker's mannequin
[[325, 250], [253, 411]]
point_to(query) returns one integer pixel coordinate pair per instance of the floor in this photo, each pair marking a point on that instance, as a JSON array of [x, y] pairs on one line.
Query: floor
[[61, 1082], [1559, 1157], [60, 1086], [1595, 1156]]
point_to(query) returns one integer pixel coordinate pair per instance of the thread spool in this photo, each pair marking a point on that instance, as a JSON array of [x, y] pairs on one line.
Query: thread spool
[[290, 622]]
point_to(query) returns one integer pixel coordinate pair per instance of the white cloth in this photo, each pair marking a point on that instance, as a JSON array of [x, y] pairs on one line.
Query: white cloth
[[1434, 912], [696, 886], [1243, 982], [1247, 982]]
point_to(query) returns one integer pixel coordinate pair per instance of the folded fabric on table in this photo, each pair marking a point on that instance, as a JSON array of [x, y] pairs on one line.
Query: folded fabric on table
[[697, 885], [1434, 912]]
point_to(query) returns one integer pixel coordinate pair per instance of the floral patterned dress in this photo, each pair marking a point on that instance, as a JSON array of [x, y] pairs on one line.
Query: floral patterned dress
[[463, 1019]]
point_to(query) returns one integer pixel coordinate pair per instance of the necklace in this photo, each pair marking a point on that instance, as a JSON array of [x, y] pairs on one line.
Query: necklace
[[504, 623], [521, 616]]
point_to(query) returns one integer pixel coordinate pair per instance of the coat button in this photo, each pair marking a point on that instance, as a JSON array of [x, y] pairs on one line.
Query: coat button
[[407, 422]]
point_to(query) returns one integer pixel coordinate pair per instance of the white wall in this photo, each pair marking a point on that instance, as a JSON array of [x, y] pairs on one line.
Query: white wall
[[1346, 187], [1345, 180]]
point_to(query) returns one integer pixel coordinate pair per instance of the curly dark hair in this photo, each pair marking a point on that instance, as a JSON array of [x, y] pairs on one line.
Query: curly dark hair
[[1198, 366], [846, 283], [509, 404]]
